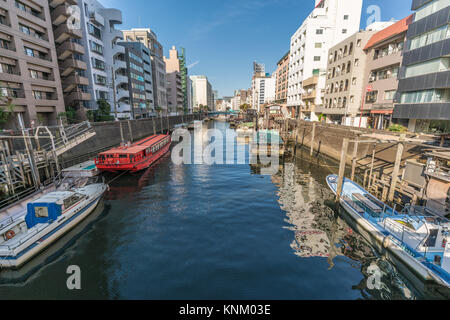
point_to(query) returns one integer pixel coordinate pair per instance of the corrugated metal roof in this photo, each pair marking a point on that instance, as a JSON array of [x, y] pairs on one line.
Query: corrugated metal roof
[[389, 32]]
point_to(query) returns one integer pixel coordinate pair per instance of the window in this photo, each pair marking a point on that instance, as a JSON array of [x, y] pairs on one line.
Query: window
[[433, 36], [427, 67], [97, 48], [319, 31], [344, 31], [346, 17], [41, 212], [389, 95], [426, 96], [431, 8], [317, 58], [318, 45], [371, 97], [29, 52]]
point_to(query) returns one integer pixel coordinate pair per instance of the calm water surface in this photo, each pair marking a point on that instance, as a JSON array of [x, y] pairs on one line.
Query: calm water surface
[[211, 232]]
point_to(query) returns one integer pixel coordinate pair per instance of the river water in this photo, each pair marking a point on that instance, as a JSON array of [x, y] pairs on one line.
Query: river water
[[212, 232]]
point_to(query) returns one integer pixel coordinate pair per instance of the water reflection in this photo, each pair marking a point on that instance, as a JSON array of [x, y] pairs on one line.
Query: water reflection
[[320, 232]]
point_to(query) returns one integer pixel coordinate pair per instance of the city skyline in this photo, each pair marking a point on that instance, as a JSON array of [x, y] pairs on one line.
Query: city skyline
[[222, 38]]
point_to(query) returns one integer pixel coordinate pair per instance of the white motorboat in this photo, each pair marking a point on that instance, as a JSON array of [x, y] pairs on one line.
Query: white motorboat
[[47, 218]]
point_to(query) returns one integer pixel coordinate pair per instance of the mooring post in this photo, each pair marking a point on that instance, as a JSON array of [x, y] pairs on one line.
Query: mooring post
[[313, 135], [398, 161], [355, 154], [131, 132], [296, 138], [374, 148], [154, 126], [121, 133], [340, 182]]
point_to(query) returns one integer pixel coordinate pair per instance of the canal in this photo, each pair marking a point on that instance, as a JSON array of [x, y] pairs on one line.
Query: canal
[[212, 232]]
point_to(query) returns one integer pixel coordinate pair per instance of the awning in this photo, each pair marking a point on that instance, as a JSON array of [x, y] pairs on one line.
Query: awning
[[382, 111]]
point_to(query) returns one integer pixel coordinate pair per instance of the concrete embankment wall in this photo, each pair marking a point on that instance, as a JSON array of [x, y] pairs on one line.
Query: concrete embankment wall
[[328, 140], [108, 134]]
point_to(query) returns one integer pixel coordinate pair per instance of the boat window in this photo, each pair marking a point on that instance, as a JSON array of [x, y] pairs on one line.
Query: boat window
[[69, 202], [432, 239], [123, 156], [41, 212]]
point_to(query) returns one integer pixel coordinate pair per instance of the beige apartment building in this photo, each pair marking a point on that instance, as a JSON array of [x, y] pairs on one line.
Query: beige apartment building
[[345, 79], [282, 74], [175, 96], [29, 74], [70, 52], [384, 59]]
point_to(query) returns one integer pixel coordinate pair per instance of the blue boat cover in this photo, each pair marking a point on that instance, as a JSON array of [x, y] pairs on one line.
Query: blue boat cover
[[53, 209]]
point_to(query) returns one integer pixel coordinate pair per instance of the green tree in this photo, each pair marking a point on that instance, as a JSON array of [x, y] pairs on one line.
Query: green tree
[[244, 107], [6, 108]]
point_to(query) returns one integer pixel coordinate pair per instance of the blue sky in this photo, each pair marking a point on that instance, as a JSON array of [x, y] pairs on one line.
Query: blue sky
[[223, 37]]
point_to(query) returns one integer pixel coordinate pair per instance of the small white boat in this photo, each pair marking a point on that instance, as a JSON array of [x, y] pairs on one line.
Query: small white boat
[[416, 237], [47, 219]]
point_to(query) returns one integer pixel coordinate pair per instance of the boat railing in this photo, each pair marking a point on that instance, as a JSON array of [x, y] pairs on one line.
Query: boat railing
[[405, 233]]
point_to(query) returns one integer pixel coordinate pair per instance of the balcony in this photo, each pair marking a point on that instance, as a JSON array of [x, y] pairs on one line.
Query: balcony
[[309, 95], [60, 14], [119, 64], [123, 107], [68, 48], [55, 3], [71, 64], [74, 97], [122, 94], [121, 79], [73, 81], [63, 32], [116, 49]]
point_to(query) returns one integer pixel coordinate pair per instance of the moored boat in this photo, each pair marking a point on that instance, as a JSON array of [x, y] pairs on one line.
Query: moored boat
[[417, 237], [134, 157], [47, 219]]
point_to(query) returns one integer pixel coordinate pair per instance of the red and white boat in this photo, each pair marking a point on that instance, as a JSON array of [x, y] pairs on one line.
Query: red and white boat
[[134, 157]]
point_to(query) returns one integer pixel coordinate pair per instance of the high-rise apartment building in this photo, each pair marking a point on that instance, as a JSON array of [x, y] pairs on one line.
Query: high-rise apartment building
[[202, 93], [71, 56], [330, 22], [100, 38], [149, 38], [140, 81], [175, 90], [424, 78], [29, 75], [263, 89]]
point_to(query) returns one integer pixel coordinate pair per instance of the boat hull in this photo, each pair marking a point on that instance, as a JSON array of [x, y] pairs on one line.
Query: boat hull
[[46, 240]]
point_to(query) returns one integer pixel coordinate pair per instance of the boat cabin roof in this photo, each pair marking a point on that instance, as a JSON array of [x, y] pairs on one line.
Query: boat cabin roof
[[54, 197], [136, 147]]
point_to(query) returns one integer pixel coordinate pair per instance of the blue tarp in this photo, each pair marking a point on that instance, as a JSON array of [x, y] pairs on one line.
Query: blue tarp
[[54, 211]]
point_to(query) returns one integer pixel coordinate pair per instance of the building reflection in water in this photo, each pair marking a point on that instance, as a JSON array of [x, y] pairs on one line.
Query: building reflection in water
[[320, 232]]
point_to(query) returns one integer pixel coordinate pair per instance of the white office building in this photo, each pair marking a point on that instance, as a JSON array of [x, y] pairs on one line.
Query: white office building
[[328, 24], [263, 89], [100, 38]]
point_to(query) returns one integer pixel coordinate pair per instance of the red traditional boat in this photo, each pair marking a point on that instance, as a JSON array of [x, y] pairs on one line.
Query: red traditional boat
[[134, 157]]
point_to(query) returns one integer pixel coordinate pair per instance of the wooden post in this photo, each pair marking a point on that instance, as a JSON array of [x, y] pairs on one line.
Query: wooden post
[[340, 182], [168, 124], [355, 154], [121, 133], [374, 149], [398, 161], [313, 134], [131, 132], [296, 138], [162, 125], [154, 126]]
